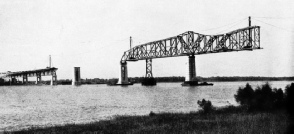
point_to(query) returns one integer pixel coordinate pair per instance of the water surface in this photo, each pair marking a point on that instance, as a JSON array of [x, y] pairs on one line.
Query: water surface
[[25, 106]]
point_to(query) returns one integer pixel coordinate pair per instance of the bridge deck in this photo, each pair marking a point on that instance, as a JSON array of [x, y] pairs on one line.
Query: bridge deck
[[42, 71]]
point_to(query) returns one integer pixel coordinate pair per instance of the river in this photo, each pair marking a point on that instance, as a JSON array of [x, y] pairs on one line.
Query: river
[[25, 106]]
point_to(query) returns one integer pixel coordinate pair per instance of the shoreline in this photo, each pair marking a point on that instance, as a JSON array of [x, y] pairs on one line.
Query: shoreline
[[230, 119], [170, 79], [140, 83]]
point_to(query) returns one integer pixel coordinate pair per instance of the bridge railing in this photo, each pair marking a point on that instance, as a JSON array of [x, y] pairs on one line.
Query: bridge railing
[[192, 43]]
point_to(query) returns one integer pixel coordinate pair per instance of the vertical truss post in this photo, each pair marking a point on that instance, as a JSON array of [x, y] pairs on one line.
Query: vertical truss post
[[53, 78], [38, 75], [250, 40], [258, 37], [149, 68], [13, 80], [10, 80], [190, 42]]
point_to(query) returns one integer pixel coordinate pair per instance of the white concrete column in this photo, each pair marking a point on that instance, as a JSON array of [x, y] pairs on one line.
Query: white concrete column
[[124, 73], [191, 73], [52, 81]]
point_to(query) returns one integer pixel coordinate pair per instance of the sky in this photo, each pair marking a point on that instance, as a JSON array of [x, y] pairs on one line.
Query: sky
[[93, 35]]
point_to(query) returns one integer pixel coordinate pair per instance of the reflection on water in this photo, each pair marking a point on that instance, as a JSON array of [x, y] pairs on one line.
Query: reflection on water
[[24, 106]]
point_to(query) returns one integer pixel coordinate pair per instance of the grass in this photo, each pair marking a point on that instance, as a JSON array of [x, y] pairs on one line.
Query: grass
[[225, 120]]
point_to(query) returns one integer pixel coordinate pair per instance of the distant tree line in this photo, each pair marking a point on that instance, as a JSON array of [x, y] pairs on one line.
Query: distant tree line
[[248, 78], [158, 79], [83, 81], [213, 79]]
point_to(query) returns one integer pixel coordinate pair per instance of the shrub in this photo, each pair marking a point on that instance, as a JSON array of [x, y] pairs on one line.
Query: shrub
[[289, 98], [263, 98], [245, 95], [152, 113], [205, 105], [278, 98]]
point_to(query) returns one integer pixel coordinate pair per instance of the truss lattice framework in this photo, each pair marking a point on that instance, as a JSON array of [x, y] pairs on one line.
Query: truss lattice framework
[[149, 68], [191, 43]]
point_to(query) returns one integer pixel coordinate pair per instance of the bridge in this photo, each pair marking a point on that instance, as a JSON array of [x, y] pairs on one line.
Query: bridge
[[38, 73], [190, 44]]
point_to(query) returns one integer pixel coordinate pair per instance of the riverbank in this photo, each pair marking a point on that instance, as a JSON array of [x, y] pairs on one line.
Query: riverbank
[[224, 120]]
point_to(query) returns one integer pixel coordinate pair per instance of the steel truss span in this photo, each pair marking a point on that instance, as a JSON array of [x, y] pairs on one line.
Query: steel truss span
[[192, 43]]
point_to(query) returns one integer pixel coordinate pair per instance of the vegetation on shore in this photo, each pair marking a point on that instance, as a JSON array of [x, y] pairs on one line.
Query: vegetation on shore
[[214, 79], [220, 121], [263, 110]]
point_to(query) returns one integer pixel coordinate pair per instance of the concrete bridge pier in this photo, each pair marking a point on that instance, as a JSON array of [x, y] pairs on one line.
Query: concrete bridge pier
[[191, 75], [24, 78], [191, 68], [124, 73], [76, 76]]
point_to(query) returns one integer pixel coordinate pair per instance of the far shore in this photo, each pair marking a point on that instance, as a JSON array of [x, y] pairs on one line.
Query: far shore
[[170, 79]]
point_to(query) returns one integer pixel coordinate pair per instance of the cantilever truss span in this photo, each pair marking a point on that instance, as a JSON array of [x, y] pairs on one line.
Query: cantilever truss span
[[192, 43]]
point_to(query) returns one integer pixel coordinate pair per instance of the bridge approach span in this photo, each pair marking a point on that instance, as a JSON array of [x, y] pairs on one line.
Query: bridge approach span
[[38, 73]]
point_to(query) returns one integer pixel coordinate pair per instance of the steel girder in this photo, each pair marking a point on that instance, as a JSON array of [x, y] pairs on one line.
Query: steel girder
[[192, 43]]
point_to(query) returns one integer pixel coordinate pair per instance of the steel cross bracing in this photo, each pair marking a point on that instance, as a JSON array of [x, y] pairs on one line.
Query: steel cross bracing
[[192, 43], [149, 68]]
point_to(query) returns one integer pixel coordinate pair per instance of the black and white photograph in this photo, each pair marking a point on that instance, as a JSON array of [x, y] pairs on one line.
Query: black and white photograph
[[146, 66]]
